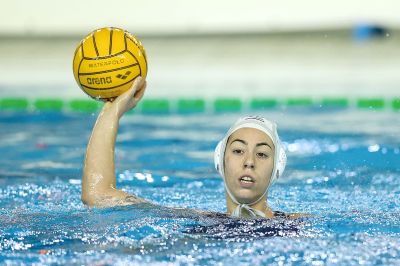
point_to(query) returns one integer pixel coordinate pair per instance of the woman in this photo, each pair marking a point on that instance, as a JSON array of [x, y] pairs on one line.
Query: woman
[[249, 159]]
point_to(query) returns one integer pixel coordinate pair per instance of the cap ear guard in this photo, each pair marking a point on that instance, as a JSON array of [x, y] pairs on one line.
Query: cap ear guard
[[280, 156], [217, 158]]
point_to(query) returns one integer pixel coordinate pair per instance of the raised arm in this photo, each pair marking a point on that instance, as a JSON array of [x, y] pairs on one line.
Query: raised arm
[[99, 180]]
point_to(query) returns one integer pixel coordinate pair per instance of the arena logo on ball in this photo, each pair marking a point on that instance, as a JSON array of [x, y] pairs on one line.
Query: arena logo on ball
[[124, 76], [105, 80]]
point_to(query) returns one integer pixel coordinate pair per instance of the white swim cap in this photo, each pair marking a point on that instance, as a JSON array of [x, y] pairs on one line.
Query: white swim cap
[[269, 128]]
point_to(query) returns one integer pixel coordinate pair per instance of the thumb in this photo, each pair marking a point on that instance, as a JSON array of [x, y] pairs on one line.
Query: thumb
[[137, 83]]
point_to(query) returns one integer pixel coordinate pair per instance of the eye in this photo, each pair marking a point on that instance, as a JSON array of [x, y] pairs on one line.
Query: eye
[[237, 151], [262, 155]]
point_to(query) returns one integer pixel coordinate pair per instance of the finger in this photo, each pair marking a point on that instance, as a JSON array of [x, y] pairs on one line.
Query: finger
[[136, 85], [143, 87], [139, 94], [129, 93], [132, 90]]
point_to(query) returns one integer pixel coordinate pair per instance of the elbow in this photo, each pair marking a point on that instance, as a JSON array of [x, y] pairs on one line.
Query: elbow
[[87, 195], [87, 200], [92, 200]]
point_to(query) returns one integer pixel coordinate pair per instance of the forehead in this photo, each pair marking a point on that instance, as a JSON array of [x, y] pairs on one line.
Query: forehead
[[251, 135]]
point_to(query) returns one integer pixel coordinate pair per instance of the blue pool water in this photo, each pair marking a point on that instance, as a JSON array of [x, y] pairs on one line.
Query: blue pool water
[[343, 167]]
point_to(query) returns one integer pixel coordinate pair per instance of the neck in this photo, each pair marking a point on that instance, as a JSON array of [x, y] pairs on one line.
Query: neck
[[261, 205]]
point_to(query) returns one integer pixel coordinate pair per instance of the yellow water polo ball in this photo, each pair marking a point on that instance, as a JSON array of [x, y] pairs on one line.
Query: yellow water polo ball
[[107, 61]]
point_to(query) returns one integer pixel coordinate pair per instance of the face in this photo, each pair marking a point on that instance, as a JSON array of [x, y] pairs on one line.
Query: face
[[249, 161]]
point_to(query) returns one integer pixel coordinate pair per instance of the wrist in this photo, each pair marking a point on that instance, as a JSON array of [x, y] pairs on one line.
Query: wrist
[[109, 111]]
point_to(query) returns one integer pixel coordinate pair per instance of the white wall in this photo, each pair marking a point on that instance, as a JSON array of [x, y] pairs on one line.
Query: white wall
[[208, 67], [77, 17]]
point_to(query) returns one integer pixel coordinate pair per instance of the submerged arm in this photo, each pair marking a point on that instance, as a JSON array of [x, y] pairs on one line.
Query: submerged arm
[[99, 180], [298, 215]]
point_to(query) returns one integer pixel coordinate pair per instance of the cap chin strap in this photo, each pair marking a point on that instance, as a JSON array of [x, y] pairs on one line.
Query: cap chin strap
[[237, 212]]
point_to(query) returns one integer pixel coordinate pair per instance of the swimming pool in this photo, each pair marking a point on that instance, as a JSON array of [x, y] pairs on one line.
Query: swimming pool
[[343, 167]]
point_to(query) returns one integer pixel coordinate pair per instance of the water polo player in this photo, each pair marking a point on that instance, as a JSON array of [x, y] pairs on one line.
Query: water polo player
[[249, 158]]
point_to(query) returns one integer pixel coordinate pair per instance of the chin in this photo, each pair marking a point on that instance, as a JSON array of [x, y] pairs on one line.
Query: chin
[[246, 196]]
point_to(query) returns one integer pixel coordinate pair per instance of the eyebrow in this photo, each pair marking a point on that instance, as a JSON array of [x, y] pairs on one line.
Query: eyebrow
[[258, 144]]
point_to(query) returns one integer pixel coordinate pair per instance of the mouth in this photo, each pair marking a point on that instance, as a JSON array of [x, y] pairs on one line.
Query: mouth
[[246, 181]]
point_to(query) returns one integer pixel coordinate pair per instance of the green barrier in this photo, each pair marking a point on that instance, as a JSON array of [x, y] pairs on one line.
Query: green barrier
[[85, 106], [396, 104], [17, 104], [371, 103], [154, 106], [227, 105], [299, 102], [48, 104], [191, 105], [195, 105], [335, 102], [258, 104]]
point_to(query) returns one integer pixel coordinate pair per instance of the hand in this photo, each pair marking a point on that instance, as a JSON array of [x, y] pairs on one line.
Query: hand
[[128, 99]]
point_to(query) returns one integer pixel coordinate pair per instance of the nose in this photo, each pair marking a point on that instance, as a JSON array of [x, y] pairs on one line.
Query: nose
[[249, 162]]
